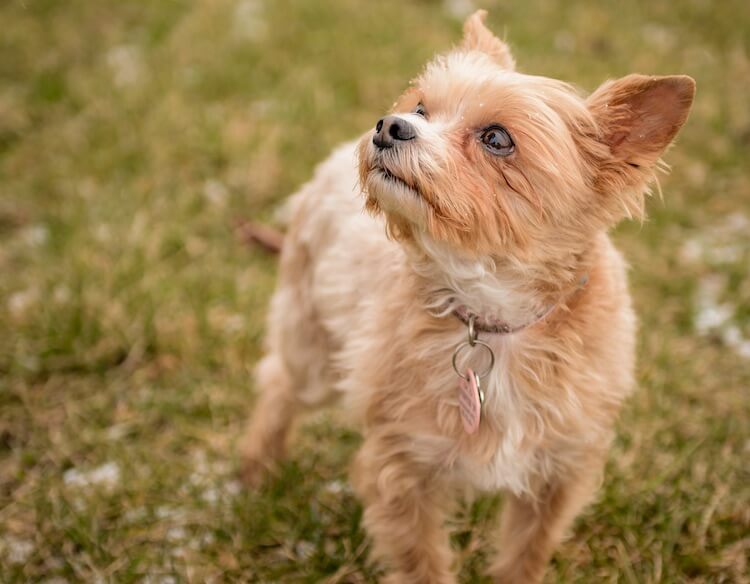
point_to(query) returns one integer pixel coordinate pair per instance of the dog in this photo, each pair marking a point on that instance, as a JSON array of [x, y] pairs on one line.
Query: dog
[[474, 319]]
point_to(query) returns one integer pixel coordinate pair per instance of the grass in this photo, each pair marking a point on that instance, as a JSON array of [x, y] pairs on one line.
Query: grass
[[134, 134]]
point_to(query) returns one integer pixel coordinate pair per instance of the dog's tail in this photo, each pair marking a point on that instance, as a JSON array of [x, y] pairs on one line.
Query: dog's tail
[[268, 238], [265, 236]]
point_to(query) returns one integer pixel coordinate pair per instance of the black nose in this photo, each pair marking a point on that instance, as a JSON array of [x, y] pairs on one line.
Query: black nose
[[392, 128]]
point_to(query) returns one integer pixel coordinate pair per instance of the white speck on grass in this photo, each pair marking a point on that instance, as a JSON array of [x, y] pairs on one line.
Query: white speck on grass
[[211, 478], [20, 302], [211, 495], [229, 323], [203, 471], [179, 552], [205, 540], [696, 173], [200, 460], [249, 21], [234, 323], [262, 107], [61, 294], [710, 314], [713, 316], [158, 579], [659, 36], [116, 432], [16, 550], [103, 233], [737, 222], [565, 41], [723, 243], [29, 362], [304, 549], [691, 251], [126, 65], [459, 8], [175, 534], [710, 288], [36, 235], [337, 487], [176, 513], [221, 493], [733, 337], [135, 515], [138, 228], [727, 254], [208, 539], [106, 475], [710, 318], [215, 192]]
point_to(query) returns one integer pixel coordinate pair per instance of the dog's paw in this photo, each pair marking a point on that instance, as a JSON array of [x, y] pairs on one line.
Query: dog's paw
[[253, 472], [516, 576], [403, 578]]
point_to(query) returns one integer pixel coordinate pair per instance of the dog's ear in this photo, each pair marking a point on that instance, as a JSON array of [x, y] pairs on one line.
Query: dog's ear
[[477, 37], [638, 116]]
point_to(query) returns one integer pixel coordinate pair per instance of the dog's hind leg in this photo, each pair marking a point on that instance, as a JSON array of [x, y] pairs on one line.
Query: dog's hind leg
[[264, 443], [294, 374]]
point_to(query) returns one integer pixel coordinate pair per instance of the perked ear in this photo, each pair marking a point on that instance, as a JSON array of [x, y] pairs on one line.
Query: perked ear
[[478, 37], [638, 116]]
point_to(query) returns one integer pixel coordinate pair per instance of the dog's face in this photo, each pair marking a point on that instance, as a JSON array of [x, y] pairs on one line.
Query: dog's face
[[489, 160]]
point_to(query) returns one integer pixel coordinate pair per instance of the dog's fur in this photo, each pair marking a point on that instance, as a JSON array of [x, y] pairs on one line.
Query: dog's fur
[[362, 317]]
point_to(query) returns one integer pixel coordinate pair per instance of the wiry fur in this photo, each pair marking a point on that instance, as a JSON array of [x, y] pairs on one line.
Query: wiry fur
[[362, 317]]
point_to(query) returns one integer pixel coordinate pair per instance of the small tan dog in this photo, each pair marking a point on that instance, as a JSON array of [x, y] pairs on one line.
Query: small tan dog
[[488, 343]]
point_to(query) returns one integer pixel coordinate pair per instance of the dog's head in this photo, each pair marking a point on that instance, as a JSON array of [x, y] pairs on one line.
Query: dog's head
[[481, 157]]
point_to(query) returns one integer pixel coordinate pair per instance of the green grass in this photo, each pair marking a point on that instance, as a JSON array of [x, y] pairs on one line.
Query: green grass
[[134, 134]]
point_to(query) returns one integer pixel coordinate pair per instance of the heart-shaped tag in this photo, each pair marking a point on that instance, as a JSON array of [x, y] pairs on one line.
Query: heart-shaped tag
[[469, 401]]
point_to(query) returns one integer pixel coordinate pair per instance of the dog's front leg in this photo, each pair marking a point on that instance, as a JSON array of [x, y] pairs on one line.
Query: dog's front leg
[[405, 504], [532, 526]]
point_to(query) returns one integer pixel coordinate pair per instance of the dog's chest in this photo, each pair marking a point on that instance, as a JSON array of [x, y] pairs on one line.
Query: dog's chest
[[515, 459], [511, 468]]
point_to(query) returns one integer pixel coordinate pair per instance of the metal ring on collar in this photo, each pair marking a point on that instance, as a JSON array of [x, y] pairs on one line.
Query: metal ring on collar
[[472, 331], [465, 344]]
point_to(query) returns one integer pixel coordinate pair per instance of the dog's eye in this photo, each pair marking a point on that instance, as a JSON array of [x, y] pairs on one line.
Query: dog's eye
[[497, 140], [420, 110]]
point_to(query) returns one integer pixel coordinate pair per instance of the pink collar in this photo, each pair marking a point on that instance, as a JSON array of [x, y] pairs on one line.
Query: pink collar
[[495, 326], [492, 325]]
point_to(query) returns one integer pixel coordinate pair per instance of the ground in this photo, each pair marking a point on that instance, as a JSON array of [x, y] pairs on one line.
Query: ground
[[133, 136]]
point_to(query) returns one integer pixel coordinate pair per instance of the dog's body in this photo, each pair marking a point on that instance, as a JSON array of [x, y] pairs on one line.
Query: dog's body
[[373, 320]]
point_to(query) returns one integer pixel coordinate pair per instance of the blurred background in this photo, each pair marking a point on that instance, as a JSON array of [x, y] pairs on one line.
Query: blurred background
[[133, 138]]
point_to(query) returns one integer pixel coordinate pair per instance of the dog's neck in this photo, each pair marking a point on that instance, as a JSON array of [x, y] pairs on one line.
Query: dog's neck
[[509, 293]]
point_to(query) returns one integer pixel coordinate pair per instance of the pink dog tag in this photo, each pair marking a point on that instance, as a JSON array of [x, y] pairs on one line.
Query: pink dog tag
[[470, 401]]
